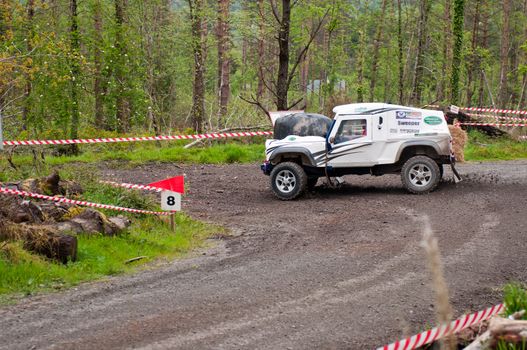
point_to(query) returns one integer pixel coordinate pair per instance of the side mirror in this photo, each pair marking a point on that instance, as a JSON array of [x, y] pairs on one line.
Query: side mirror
[[332, 139]]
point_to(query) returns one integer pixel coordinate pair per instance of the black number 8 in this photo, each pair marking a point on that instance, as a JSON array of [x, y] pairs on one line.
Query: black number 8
[[171, 200]]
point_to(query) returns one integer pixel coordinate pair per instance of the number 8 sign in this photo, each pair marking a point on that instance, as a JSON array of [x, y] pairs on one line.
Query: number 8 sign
[[170, 201]]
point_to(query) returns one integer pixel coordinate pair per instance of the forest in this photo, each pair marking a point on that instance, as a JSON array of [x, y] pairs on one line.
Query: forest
[[80, 68]]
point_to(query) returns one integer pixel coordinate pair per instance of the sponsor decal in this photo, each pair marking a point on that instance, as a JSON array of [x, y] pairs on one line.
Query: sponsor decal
[[407, 115], [433, 120], [408, 123], [291, 138], [409, 131], [361, 109]]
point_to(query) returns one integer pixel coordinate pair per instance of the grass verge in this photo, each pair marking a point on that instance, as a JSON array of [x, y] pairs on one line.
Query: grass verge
[[139, 153], [484, 148], [23, 273]]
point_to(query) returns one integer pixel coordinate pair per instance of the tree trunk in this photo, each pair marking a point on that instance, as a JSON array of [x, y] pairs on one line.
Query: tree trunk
[[376, 47], [30, 9], [417, 84], [97, 60], [459, 21], [283, 57], [484, 45], [473, 65], [447, 52], [400, 52], [261, 50], [122, 102], [521, 99], [360, 67], [198, 47], [504, 51], [224, 60], [75, 72]]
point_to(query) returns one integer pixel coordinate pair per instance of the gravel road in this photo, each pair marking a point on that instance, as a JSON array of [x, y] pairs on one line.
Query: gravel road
[[338, 269]]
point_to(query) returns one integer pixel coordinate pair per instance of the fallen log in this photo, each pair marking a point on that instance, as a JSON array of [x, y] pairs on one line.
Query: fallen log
[[508, 331]]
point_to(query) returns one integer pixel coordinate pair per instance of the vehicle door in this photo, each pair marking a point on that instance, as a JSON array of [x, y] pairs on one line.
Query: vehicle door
[[350, 142]]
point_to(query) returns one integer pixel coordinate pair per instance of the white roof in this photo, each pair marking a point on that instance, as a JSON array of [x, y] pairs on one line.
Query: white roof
[[354, 108]]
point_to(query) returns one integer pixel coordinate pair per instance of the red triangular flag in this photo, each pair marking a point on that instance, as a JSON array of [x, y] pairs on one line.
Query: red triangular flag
[[174, 184]]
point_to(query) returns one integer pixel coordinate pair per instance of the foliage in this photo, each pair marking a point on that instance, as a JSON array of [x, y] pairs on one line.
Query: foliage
[[138, 63], [515, 299]]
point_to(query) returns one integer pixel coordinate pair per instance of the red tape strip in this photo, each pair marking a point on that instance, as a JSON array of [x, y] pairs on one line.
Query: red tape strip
[[436, 333]]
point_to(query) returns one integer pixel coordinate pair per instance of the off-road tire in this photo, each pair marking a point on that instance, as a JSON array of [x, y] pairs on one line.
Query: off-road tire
[[288, 180], [420, 175]]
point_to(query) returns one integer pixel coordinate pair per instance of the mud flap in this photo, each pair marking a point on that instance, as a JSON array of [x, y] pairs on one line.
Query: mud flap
[[457, 177]]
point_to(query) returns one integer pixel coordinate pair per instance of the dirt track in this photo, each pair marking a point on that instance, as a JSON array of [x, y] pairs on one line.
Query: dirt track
[[338, 269]]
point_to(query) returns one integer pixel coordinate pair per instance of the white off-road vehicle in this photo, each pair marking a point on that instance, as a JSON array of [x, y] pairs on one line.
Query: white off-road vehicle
[[364, 138]]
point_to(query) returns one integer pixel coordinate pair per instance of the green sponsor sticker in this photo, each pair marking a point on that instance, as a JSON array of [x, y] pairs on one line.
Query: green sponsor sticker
[[291, 138], [433, 120]]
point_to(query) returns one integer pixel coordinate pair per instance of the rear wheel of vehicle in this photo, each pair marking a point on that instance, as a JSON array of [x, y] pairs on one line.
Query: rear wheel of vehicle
[[420, 175], [311, 183], [288, 180]]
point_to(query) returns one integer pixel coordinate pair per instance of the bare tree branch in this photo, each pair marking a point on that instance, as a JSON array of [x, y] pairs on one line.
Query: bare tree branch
[[312, 36], [275, 11], [295, 103], [256, 102]]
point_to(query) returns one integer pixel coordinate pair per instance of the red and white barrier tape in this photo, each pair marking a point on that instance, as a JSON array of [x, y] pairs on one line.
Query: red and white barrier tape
[[493, 110], [136, 139], [480, 109], [496, 117], [436, 333], [77, 202], [132, 186], [493, 124]]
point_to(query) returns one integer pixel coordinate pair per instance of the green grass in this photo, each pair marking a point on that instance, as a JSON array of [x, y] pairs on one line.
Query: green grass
[[140, 153], [515, 298], [481, 148], [23, 273]]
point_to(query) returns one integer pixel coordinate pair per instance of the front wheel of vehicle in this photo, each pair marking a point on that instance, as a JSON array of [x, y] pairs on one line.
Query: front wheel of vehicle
[[288, 180], [420, 175]]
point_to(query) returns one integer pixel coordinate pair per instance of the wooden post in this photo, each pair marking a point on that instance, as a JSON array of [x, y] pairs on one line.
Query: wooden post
[[173, 221]]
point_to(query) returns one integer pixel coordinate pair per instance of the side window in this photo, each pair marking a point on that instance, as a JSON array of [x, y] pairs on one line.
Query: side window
[[350, 129]]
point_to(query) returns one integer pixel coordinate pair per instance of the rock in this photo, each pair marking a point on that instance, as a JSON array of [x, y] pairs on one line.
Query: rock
[[70, 188], [69, 227], [16, 210], [91, 221], [30, 185], [121, 222], [50, 184], [54, 211]]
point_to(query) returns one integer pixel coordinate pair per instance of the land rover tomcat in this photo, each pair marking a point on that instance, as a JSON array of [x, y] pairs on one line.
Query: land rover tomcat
[[364, 138]]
